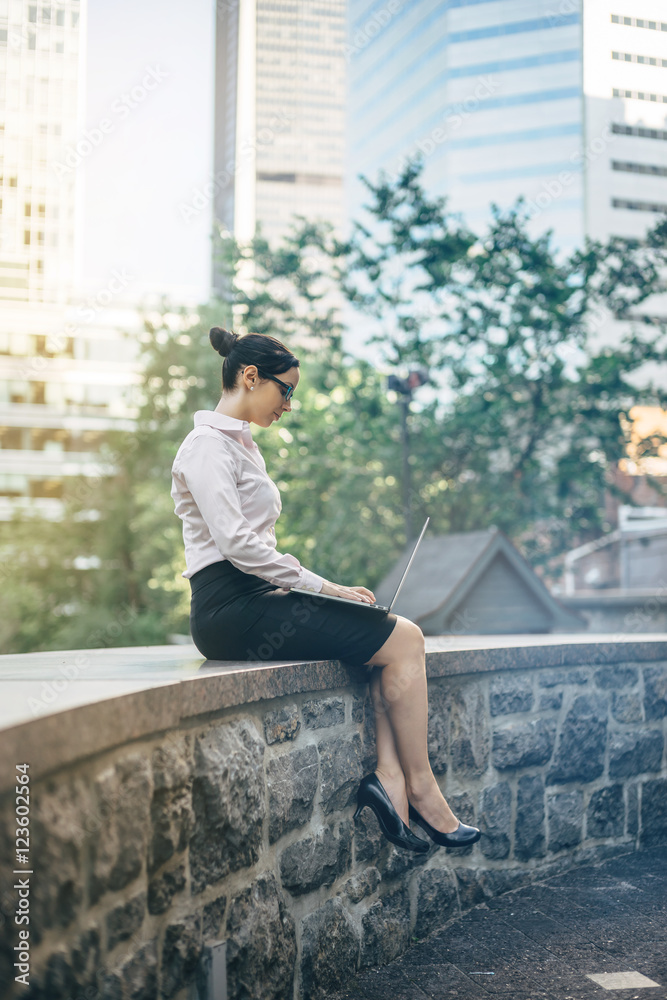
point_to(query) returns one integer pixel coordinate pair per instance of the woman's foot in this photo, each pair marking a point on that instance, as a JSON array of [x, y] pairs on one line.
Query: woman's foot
[[394, 786], [431, 804]]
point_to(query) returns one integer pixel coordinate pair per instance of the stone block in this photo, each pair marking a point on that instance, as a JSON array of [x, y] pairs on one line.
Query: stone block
[[437, 901], [340, 771], [172, 764], [581, 746], [469, 731], [633, 809], [551, 701], [330, 950], [212, 919], [316, 861], [655, 691], [125, 920], [616, 676], [369, 841], [171, 824], [320, 713], [229, 802], [438, 728], [291, 783], [463, 807], [281, 725], [495, 821], [605, 816], [529, 823], [510, 694], [261, 943], [59, 980], [626, 706], [181, 949], [359, 704], [654, 813], [122, 798], [361, 885], [60, 821], [523, 744], [396, 863], [566, 813], [163, 888], [386, 929], [85, 959], [468, 881], [139, 974], [635, 753], [554, 678]]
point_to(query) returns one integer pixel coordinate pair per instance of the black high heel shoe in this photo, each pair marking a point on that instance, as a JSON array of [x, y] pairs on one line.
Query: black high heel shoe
[[462, 836], [372, 794]]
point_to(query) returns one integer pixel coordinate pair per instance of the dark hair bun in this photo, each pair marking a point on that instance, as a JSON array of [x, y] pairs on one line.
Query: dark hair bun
[[222, 340]]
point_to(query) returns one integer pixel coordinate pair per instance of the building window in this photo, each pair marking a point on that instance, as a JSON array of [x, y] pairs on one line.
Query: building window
[[32, 14], [639, 22], [46, 15], [642, 60], [639, 206], [28, 209], [75, 18], [60, 18], [640, 95], [641, 130], [26, 237], [639, 168]]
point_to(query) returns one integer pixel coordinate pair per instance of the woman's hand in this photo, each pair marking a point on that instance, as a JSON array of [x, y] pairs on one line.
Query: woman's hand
[[361, 594]]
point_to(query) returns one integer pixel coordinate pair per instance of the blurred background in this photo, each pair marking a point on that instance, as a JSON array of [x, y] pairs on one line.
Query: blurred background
[[454, 211]]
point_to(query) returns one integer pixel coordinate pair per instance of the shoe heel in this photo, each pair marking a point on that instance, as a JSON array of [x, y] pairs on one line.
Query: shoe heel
[[357, 813]]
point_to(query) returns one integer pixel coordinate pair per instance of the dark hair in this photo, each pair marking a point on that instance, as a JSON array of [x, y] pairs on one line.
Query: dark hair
[[267, 353]]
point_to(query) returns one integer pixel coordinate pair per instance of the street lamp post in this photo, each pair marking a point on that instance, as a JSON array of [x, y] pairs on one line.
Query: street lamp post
[[404, 387]]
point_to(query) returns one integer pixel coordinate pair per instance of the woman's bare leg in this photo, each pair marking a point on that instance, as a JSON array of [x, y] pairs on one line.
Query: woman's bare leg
[[400, 700], [388, 769]]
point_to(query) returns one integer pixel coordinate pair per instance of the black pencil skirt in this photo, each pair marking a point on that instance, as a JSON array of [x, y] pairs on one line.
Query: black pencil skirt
[[237, 616]]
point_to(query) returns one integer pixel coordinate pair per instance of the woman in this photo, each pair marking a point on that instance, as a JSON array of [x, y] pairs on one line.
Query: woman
[[242, 607]]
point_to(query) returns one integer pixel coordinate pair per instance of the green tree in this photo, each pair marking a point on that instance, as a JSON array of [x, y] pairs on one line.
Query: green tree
[[535, 411]]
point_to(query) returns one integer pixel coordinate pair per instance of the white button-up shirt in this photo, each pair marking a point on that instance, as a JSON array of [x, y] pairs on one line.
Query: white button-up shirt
[[229, 504]]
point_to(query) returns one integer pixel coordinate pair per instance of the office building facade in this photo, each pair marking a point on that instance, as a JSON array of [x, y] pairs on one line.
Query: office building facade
[[279, 115], [64, 365], [564, 103]]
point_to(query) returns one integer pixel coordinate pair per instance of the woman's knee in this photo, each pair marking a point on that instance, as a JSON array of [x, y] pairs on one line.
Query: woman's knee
[[405, 641]]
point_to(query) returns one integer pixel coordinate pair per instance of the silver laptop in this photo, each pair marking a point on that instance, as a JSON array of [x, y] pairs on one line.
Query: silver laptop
[[363, 604]]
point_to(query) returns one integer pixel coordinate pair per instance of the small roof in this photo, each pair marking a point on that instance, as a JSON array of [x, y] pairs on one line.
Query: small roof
[[447, 567]]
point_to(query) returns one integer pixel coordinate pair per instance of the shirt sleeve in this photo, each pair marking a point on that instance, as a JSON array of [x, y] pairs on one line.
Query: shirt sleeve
[[210, 476]]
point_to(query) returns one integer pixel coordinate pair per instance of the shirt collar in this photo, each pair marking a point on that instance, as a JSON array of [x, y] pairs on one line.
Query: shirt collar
[[223, 422]]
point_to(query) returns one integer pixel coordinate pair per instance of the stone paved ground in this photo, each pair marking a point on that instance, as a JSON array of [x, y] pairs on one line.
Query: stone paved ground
[[541, 941]]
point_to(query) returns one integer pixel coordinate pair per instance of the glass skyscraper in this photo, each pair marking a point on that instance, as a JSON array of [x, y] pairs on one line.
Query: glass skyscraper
[[64, 366], [279, 114], [562, 101]]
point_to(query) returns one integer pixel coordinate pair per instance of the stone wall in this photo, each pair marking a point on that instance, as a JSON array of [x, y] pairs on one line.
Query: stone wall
[[238, 827]]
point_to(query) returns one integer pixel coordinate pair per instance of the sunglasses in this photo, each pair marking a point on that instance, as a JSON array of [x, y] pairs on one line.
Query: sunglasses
[[289, 389]]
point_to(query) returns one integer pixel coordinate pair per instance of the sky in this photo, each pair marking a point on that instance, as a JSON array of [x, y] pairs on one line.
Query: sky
[[149, 76]]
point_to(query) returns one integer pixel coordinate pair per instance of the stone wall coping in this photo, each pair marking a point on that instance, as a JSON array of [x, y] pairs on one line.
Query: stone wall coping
[[64, 706]]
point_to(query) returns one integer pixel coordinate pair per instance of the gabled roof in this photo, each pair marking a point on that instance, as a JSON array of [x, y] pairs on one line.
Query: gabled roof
[[447, 567]]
